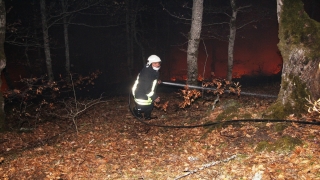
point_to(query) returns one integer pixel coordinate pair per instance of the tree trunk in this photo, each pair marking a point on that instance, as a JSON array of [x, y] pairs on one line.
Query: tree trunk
[[129, 36], [135, 32], [232, 37], [193, 42], [213, 61], [35, 32], [299, 46], [2, 59], [66, 38], [46, 39]]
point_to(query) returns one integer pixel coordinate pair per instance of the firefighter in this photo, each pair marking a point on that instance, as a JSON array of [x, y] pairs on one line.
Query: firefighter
[[144, 88]]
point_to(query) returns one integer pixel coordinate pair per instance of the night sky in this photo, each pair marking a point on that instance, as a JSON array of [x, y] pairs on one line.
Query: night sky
[[98, 41]]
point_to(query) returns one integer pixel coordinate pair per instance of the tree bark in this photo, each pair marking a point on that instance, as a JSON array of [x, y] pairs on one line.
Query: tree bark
[[299, 46], [232, 38], [2, 60], [66, 38], [193, 41], [46, 39]]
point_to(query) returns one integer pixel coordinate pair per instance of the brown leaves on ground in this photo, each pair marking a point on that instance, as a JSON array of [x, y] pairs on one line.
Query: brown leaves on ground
[[111, 144]]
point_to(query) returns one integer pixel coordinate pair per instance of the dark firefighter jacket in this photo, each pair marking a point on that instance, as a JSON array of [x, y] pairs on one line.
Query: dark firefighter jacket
[[145, 85]]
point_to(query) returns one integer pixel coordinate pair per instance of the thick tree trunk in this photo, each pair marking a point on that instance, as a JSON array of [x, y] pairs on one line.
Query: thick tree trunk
[[232, 38], [193, 42], [66, 38], [299, 45], [2, 59], [46, 39]]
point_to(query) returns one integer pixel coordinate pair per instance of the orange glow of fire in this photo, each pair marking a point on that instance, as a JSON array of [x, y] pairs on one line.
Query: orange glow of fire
[[257, 57], [16, 72], [184, 77], [4, 86]]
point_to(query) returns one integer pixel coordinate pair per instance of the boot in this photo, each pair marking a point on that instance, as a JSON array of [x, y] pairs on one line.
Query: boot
[[137, 113]]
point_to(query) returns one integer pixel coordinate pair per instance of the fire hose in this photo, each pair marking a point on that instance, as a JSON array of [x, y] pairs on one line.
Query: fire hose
[[220, 122], [208, 88]]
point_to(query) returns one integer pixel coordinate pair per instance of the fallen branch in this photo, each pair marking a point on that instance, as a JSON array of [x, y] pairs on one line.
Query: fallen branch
[[206, 166]]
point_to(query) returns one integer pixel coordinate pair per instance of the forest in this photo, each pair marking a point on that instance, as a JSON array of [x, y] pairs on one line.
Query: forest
[[239, 95]]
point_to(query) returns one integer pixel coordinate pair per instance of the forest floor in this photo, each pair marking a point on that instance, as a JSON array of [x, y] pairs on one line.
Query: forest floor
[[112, 144]]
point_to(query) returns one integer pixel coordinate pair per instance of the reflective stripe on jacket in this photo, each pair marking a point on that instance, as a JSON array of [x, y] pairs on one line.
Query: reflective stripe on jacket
[[145, 85]]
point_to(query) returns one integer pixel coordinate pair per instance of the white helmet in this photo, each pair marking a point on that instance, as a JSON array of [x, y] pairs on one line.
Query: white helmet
[[153, 58]]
